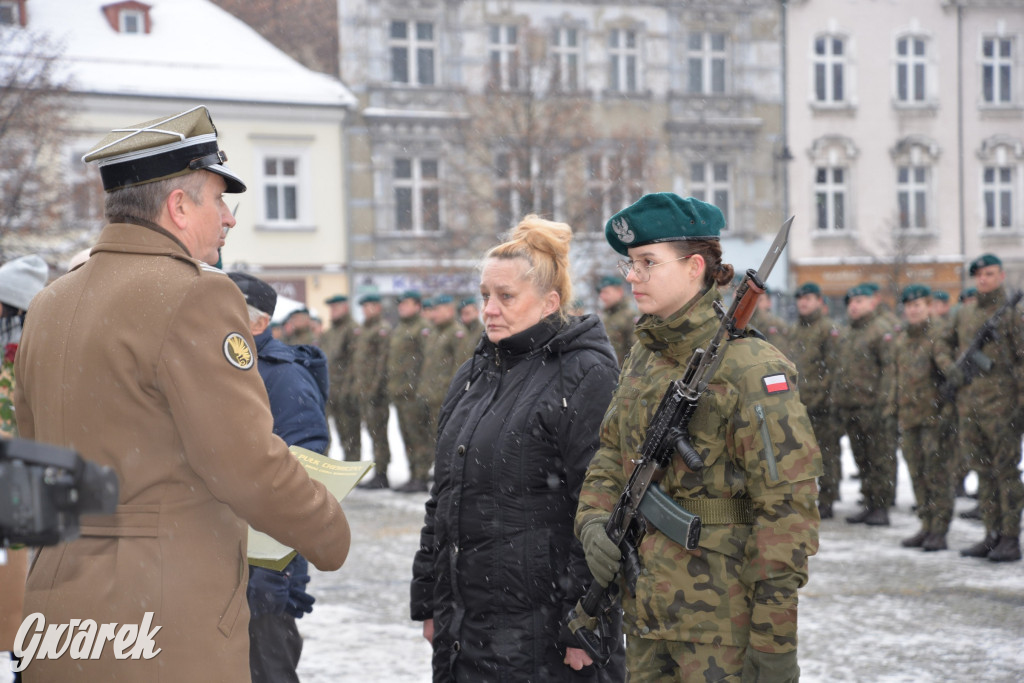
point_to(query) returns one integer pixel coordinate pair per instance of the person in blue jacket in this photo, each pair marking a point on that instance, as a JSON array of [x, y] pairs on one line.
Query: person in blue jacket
[[296, 378]]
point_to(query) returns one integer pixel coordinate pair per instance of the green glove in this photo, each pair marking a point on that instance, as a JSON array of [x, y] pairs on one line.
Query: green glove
[[954, 377], [762, 667], [602, 555]]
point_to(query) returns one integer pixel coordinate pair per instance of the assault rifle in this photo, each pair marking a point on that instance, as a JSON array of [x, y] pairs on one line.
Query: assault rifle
[[642, 502], [973, 361]]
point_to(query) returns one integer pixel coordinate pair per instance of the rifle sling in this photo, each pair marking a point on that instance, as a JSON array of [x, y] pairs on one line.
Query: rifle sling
[[720, 510]]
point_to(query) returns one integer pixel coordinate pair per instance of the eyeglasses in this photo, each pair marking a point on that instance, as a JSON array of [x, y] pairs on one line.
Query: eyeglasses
[[642, 268]]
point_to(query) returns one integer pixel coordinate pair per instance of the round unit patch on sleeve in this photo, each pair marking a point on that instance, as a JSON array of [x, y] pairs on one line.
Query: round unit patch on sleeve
[[237, 351]]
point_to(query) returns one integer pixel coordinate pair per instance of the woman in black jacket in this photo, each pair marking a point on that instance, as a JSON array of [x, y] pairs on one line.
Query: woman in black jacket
[[498, 566]]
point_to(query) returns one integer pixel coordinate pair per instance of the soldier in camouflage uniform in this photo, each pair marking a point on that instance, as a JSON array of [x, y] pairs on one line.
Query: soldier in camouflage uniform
[[371, 376], [473, 329], [405, 367], [990, 409], [618, 316], [861, 386], [920, 414], [730, 606], [298, 328], [774, 328], [339, 343], [813, 344]]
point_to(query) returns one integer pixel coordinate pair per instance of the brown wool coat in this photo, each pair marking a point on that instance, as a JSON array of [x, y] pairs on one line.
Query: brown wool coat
[[124, 361]]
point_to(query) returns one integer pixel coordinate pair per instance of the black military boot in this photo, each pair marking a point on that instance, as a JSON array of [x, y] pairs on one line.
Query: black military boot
[[412, 486], [825, 510], [379, 481], [974, 513], [981, 549], [1007, 549], [934, 542], [859, 517], [877, 517], [915, 541]]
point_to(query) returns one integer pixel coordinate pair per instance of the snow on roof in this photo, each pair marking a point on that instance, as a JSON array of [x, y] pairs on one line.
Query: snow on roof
[[194, 50]]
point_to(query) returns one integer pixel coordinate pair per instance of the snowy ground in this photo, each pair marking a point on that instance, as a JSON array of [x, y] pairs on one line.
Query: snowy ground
[[873, 612]]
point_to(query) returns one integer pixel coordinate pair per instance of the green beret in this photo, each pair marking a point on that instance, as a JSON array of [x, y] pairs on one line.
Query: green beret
[[428, 303], [940, 295], [609, 281], [663, 217], [297, 311], [410, 294], [369, 299], [808, 288], [468, 301], [163, 148], [442, 299], [911, 292], [871, 287], [984, 261], [336, 299], [968, 293], [863, 289]]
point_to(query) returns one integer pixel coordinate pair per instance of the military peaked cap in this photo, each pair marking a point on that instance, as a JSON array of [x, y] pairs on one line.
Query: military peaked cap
[[663, 217], [163, 148]]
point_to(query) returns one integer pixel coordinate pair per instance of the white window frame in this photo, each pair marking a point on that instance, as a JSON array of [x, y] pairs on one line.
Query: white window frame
[[420, 187], [624, 66], [993, 65], [82, 179], [612, 183], [300, 181], [916, 194], [508, 195], [831, 189], [825, 66], [912, 69], [503, 56], [707, 60], [708, 185], [414, 47], [566, 58], [123, 20], [998, 195]]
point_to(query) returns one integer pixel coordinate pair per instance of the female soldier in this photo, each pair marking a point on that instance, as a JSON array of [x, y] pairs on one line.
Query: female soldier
[[728, 607], [498, 565]]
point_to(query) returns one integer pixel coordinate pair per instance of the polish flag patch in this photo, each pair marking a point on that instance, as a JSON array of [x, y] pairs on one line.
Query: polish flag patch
[[775, 384]]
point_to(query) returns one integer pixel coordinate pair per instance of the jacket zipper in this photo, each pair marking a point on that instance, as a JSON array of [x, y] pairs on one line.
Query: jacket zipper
[[769, 452]]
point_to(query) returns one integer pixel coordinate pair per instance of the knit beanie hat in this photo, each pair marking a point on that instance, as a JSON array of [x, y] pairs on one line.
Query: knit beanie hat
[[21, 279]]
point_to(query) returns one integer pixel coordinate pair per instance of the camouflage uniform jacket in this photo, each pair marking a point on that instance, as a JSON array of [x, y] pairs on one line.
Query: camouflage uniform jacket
[[469, 337], [1000, 390], [405, 357], [339, 343], [371, 360], [813, 348], [740, 586], [619, 321], [440, 361], [863, 375], [774, 329], [915, 393]]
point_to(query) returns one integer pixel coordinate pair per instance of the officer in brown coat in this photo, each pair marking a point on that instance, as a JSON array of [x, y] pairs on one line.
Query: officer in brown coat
[[141, 359]]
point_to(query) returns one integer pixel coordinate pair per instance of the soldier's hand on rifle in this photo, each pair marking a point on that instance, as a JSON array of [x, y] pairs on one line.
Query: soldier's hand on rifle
[[602, 555], [954, 376]]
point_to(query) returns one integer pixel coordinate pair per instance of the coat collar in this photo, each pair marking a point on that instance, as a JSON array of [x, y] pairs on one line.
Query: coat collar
[[139, 236], [683, 331]]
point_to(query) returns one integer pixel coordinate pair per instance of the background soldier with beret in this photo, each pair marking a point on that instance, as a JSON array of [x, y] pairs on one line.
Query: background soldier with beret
[[371, 376], [813, 344], [441, 358], [920, 413], [141, 359], [339, 343], [405, 367], [990, 409], [860, 389], [618, 316], [728, 607], [472, 329], [775, 329], [296, 378]]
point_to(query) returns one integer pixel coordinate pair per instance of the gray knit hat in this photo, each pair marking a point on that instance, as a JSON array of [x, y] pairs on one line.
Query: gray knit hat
[[21, 279]]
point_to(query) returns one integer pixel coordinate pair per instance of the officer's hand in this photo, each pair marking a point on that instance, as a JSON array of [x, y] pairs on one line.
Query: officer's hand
[[267, 591], [762, 667], [603, 556], [954, 377]]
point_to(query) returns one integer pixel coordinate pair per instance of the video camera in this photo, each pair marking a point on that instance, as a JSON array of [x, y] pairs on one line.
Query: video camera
[[44, 489]]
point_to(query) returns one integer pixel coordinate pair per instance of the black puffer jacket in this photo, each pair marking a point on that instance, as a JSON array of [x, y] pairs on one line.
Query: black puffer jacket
[[498, 565]]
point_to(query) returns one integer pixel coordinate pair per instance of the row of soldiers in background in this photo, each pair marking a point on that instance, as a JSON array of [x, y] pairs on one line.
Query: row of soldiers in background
[[923, 387]]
